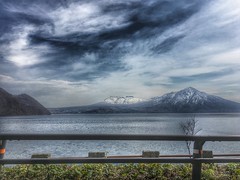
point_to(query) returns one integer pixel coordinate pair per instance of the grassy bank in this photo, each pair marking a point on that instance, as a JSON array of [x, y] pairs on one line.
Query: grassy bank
[[121, 171]]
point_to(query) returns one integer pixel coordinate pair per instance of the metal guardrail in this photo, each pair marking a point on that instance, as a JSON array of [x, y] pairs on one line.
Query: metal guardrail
[[196, 159]]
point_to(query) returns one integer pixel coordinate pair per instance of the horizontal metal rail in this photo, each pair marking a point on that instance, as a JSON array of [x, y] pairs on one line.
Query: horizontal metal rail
[[95, 160], [128, 137], [196, 159], [117, 160]]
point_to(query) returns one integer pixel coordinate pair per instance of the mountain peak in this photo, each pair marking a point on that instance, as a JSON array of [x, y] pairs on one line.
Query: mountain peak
[[189, 92], [190, 95], [189, 89], [188, 100], [184, 96], [192, 100]]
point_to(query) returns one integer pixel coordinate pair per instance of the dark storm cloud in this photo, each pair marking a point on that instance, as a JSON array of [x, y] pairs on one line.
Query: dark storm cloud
[[143, 19], [64, 43]]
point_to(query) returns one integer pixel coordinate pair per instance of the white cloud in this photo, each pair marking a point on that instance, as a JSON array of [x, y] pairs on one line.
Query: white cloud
[[20, 51], [83, 18], [4, 78], [230, 57], [50, 93]]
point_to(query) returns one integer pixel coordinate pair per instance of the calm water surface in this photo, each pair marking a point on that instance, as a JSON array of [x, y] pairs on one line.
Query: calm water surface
[[166, 124]]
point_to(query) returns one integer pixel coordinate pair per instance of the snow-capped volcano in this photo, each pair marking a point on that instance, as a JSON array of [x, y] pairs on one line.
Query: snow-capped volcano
[[123, 100], [186, 96], [188, 100], [192, 100]]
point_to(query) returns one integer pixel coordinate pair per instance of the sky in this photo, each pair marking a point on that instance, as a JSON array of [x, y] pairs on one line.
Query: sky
[[79, 52]]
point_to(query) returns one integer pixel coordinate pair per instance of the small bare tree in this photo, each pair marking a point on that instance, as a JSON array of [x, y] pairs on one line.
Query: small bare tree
[[189, 128]]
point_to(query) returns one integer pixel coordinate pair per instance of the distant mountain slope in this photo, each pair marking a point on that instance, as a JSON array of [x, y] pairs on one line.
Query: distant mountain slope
[[188, 100], [23, 104]]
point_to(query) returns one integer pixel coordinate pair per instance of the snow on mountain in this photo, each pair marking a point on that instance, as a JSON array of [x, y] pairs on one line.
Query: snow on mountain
[[186, 96], [123, 100], [188, 100]]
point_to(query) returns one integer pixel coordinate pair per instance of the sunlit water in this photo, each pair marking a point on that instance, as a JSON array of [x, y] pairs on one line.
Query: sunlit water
[[165, 124]]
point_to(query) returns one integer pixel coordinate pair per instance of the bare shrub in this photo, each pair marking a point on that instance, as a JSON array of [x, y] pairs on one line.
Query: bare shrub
[[189, 128]]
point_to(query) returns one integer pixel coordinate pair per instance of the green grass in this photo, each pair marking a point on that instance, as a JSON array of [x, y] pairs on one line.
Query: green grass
[[118, 171]]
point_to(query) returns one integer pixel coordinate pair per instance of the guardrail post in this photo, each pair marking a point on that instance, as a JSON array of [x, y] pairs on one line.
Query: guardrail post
[[2, 148], [2, 151], [197, 153]]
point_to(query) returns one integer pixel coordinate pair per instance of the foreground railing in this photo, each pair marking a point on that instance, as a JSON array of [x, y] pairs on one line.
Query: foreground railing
[[196, 159]]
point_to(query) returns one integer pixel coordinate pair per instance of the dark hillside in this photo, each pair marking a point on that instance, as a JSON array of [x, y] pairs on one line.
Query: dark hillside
[[11, 105]]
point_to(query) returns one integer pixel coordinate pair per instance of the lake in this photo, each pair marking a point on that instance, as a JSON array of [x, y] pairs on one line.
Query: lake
[[157, 123]]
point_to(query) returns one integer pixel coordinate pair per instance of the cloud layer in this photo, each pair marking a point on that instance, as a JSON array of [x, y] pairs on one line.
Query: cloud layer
[[79, 52]]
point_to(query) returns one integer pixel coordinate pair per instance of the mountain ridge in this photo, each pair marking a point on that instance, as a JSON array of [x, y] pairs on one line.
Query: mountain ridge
[[123, 100], [23, 104], [188, 100]]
